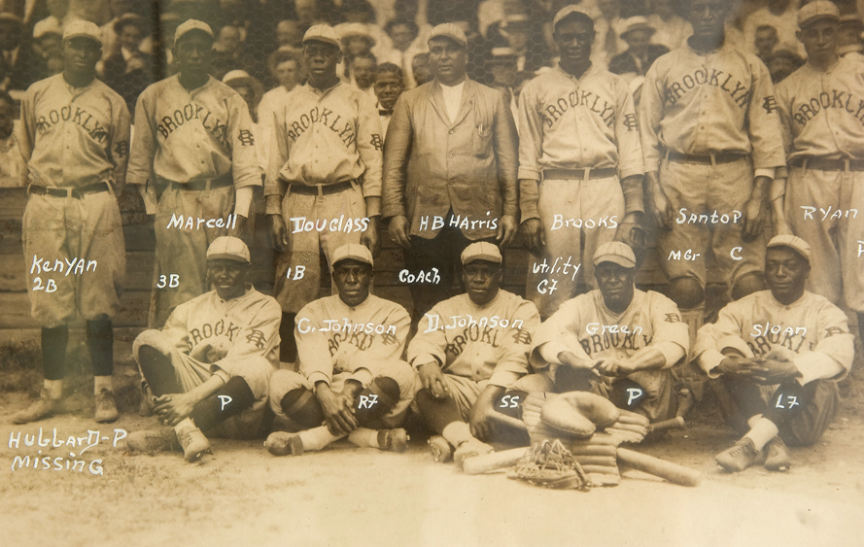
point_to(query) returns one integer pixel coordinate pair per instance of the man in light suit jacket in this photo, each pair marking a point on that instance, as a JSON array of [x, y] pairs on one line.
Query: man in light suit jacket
[[449, 169]]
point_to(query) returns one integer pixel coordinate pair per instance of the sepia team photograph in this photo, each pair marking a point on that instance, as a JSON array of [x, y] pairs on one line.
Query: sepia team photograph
[[431, 272]]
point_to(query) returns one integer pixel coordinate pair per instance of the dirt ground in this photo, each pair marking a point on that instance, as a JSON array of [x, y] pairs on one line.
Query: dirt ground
[[345, 496]]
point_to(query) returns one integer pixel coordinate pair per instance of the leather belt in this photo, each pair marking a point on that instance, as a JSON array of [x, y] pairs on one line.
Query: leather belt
[[319, 189], [826, 164], [77, 193], [589, 172], [205, 184], [708, 159]]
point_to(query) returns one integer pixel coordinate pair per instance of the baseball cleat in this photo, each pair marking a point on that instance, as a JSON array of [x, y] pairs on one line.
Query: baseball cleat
[[469, 449], [441, 450], [192, 440], [282, 443], [393, 440], [739, 456], [106, 409], [153, 440], [41, 408], [777, 455]]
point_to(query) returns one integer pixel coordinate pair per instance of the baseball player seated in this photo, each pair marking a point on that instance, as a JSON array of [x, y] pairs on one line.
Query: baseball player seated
[[617, 341], [352, 381], [207, 370], [779, 353], [470, 348]]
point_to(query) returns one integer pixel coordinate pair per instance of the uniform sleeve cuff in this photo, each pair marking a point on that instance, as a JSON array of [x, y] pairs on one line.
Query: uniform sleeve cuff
[[316, 376], [362, 375], [373, 206], [528, 173], [273, 204], [504, 379], [709, 361], [816, 366], [424, 358], [736, 343], [549, 351], [764, 172], [631, 173], [672, 352], [781, 173]]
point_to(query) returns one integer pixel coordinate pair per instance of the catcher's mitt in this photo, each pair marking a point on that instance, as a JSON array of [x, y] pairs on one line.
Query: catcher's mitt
[[549, 464], [634, 231]]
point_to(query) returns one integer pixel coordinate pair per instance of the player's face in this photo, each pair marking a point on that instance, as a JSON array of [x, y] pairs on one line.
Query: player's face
[[352, 280], [448, 60], [420, 69], [765, 41], [388, 87], [288, 73], [130, 37], [402, 36], [228, 277], [80, 55], [573, 38], [356, 45], [616, 283], [364, 72], [193, 53], [504, 72], [708, 16], [321, 59], [819, 38], [786, 274], [288, 33], [481, 280], [10, 35], [638, 40], [7, 116]]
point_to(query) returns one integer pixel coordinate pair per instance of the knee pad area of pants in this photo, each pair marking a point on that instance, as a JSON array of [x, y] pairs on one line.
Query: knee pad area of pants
[[376, 400], [748, 283], [302, 408], [687, 292]]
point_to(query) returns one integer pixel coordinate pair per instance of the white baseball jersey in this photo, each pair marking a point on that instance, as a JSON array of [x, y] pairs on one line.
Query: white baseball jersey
[[325, 138], [71, 136], [811, 332], [190, 135], [823, 112], [225, 333], [333, 337], [702, 103], [587, 328], [487, 342]]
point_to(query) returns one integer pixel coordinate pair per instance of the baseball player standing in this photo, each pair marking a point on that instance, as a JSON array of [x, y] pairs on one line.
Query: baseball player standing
[[780, 353], [323, 186], [208, 368], [711, 139], [820, 107], [616, 340], [351, 378], [469, 349], [579, 138], [193, 158], [74, 136]]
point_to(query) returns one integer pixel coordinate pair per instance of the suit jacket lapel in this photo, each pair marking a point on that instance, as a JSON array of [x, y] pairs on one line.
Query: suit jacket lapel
[[467, 102], [436, 97]]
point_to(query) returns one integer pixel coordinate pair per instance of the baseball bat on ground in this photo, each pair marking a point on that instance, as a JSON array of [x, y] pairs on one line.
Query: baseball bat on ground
[[672, 472], [493, 461]]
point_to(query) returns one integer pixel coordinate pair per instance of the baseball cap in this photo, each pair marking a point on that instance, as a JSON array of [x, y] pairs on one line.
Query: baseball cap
[[352, 251], [500, 53], [820, 9], [49, 25], [346, 30], [566, 12], [451, 31], [9, 16], [129, 19], [637, 22], [615, 252], [793, 242], [80, 28], [481, 251], [323, 33], [228, 248], [232, 75], [191, 25]]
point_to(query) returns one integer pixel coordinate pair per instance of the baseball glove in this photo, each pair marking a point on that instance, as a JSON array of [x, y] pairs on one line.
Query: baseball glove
[[634, 231], [549, 464]]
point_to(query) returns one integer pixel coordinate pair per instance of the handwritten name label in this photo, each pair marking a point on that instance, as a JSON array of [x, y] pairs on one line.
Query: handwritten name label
[[768, 328], [431, 277], [462, 321], [714, 217], [73, 266], [688, 254], [597, 328], [337, 224], [458, 221], [559, 222], [828, 214], [72, 462], [182, 222], [304, 326]]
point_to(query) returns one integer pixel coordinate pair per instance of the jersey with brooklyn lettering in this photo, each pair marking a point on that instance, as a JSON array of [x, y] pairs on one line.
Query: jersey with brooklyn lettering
[[812, 332], [211, 329], [586, 327], [334, 337], [488, 342], [823, 112], [186, 135]]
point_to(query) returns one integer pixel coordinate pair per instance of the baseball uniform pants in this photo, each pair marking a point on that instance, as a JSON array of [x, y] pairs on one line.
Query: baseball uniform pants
[[826, 209], [695, 188], [802, 414], [75, 256], [285, 381], [191, 372], [292, 288], [184, 252], [578, 215]]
